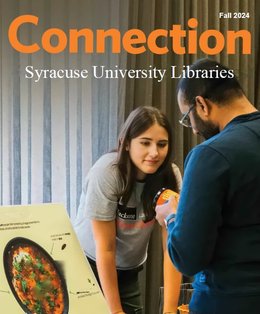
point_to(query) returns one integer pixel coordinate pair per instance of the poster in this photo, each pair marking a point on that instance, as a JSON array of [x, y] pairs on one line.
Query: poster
[[43, 268]]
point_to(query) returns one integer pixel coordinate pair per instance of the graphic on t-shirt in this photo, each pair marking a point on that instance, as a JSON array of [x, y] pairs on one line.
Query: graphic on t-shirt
[[127, 213]]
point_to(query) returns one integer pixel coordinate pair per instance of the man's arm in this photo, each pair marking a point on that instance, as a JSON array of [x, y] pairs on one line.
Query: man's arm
[[192, 236]]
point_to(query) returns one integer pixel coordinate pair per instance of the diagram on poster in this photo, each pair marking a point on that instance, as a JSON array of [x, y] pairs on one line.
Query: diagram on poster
[[43, 268]]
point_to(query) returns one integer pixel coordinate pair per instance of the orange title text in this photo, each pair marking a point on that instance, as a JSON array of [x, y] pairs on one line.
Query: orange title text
[[134, 41]]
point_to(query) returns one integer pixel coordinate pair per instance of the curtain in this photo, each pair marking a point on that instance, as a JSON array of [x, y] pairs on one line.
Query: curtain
[[51, 131]]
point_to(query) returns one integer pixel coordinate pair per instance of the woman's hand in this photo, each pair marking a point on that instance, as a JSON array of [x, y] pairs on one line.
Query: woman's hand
[[105, 238]]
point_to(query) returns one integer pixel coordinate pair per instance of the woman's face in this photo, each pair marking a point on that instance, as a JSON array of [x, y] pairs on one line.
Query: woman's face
[[148, 150]]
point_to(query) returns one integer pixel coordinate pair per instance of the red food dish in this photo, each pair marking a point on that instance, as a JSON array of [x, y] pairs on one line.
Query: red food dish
[[34, 278]]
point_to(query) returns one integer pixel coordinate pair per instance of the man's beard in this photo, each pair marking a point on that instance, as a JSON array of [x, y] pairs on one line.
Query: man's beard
[[205, 129]]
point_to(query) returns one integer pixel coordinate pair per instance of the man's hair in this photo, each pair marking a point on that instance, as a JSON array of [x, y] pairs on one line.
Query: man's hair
[[213, 81]]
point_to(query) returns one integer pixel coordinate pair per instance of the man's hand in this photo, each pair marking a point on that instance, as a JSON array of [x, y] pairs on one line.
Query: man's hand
[[162, 211]]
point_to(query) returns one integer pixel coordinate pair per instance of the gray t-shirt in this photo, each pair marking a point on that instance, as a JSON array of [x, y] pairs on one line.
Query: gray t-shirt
[[99, 201]]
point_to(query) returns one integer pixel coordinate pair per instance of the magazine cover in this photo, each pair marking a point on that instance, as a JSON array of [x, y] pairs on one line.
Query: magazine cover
[[73, 70]]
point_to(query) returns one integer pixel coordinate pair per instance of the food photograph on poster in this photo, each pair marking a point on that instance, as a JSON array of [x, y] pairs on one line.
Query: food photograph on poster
[[42, 283]]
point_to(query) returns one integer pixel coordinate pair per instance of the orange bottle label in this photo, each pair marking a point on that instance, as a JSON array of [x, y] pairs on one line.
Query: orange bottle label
[[165, 195]]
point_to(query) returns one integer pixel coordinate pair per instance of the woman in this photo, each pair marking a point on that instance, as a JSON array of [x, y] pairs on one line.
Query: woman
[[116, 212]]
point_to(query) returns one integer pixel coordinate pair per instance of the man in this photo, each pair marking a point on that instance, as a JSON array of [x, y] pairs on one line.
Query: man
[[215, 234]]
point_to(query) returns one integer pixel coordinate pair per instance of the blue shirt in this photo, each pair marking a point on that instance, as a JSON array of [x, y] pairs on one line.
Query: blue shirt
[[216, 233]]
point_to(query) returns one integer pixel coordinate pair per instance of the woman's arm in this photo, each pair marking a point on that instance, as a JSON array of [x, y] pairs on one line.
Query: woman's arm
[[105, 239], [172, 279]]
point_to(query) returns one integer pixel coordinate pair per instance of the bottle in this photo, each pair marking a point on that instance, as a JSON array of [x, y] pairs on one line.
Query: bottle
[[163, 196]]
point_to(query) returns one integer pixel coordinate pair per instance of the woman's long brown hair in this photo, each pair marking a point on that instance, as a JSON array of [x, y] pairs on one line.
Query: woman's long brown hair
[[137, 123]]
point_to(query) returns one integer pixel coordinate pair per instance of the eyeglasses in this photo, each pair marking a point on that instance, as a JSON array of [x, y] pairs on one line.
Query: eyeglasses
[[185, 120]]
